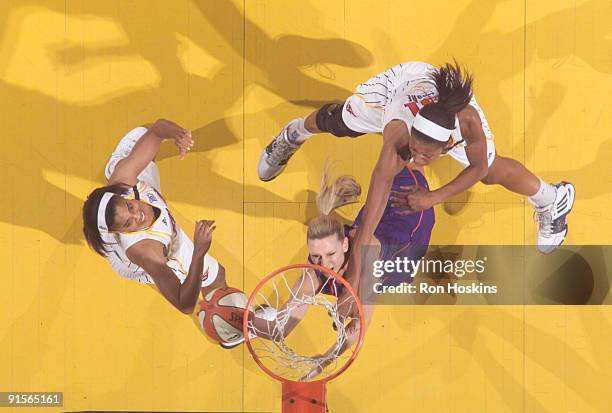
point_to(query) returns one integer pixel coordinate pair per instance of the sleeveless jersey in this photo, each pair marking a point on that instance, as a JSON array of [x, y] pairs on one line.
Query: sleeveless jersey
[[177, 245], [412, 90]]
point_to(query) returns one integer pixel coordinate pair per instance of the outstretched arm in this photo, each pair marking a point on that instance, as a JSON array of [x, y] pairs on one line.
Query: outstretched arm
[[389, 164], [146, 148], [476, 151]]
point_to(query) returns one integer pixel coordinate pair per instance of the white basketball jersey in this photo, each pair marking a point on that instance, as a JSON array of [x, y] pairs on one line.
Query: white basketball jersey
[[164, 229], [397, 93], [413, 90]]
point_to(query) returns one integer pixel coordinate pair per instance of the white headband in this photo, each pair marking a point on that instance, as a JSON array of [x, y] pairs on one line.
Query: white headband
[[431, 129], [102, 226]]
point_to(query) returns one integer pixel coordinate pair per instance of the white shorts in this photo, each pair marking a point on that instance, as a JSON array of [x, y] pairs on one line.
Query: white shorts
[[180, 260], [149, 175], [364, 111], [178, 263]]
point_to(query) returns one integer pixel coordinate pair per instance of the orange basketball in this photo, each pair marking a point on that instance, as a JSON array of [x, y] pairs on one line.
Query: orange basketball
[[221, 313]]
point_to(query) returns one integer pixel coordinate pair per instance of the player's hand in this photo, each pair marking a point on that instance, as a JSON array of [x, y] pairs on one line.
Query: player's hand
[[413, 198], [202, 237], [347, 308], [167, 129], [184, 142]]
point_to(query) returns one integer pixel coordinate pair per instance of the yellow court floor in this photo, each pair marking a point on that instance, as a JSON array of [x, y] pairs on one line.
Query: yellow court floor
[[76, 75]]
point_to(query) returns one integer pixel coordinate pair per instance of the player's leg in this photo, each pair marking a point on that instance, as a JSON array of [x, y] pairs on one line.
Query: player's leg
[[361, 113], [327, 119], [512, 175], [552, 202]]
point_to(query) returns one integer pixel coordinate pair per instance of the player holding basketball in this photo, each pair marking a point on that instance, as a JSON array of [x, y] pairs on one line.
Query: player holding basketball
[[423, 112], [128, 222]]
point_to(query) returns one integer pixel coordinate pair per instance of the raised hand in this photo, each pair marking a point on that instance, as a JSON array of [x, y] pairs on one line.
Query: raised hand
[[166, 129], [202, 237], [184, 143]]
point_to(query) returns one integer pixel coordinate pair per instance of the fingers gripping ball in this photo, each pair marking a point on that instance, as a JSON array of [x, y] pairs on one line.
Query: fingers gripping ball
[[221, 313]]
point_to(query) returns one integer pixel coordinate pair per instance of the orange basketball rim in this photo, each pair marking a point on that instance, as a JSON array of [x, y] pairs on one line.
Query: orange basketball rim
[[304, 394]]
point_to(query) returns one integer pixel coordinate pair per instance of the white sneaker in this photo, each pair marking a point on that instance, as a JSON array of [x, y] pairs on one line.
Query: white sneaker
[[274, 158], [551, 219]]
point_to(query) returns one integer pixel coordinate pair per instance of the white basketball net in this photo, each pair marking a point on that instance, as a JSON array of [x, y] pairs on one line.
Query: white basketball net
[[272, 348]]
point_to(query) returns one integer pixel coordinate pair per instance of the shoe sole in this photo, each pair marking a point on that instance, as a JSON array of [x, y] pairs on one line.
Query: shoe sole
[[561, 243], [270, 179]]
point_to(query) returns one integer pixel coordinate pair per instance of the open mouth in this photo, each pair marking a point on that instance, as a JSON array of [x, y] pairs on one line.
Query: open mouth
[[142, 217]]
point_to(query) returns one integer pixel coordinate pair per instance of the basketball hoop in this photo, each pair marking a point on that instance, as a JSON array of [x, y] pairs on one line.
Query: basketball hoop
[[282, 345]]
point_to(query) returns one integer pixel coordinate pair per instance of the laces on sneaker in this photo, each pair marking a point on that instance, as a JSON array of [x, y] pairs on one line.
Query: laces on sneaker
[[280, 150], [544, 219]]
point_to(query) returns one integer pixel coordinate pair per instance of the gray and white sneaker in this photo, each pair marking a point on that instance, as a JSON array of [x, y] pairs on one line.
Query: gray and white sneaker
[[551, 219], [274, 158]]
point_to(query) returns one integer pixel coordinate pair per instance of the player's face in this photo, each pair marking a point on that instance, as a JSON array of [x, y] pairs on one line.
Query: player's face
[[132, 215], [328, 252], [423, 153]]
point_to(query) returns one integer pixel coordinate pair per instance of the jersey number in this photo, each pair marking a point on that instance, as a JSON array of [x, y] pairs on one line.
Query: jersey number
[[416, 106]]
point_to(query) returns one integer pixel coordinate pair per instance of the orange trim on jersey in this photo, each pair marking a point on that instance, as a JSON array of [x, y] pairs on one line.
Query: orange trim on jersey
[[360, 96], [416, 181], [180, 264]]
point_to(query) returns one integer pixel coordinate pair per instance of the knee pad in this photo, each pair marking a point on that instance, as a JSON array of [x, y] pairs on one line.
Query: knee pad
[[329, 119]]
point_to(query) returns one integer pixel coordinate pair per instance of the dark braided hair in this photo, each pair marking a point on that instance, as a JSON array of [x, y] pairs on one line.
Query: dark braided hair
[[454, 86]]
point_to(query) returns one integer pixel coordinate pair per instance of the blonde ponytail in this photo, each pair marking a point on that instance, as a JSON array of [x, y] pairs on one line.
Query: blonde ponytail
[[341, 191]]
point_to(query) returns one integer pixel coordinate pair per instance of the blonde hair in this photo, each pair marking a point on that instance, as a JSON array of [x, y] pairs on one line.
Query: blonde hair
[[341, 191]]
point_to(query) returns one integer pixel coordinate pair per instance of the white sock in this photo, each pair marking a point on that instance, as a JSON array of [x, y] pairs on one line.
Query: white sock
[[545, 196], [297, 132]]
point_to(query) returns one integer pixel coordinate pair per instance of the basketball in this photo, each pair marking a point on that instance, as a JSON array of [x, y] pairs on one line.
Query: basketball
[[221, 313]]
